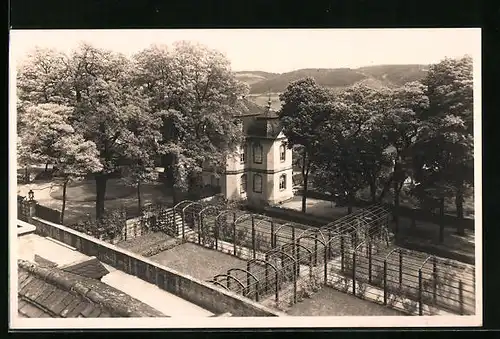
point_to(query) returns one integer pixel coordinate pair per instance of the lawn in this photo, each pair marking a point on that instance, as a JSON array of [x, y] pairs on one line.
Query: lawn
[[329, 302], [118, 195], [197, 261], [144, 244]]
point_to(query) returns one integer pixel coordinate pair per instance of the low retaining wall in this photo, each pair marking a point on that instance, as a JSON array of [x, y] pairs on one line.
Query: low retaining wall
[[193, 290]]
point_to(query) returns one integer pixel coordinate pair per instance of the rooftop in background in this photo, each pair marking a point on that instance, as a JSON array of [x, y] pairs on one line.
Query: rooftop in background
[[47, 266]]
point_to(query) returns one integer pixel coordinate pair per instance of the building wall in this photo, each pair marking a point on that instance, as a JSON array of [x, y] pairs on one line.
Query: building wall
[[270, 170]]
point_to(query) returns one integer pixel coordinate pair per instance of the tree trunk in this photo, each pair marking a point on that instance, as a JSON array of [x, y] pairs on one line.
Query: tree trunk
[[441, 220], [373, 192], [65, 185], [46, 167], [349, 203], [386, 187], [139, 204], [26, 175], [396, 207], [305, 177], [459, 203], [100, 186]]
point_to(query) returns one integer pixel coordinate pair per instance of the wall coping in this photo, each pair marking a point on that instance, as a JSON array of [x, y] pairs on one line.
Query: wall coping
[[162, 267]]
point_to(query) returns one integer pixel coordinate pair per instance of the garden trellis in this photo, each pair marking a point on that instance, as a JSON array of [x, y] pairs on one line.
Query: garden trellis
[[286, 262]]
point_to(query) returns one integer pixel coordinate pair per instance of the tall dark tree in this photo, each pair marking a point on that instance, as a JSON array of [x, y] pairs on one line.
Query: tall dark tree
[[450, 122], [195, 89], [302, 114], [107, 109]]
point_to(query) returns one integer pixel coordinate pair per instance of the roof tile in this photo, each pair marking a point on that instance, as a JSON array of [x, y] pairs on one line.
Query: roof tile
[[59, 304], [31, 311], [76, 311], [95, 312], [88, 309], [36, 288], [67, 294], [72, 306], [48, 293]]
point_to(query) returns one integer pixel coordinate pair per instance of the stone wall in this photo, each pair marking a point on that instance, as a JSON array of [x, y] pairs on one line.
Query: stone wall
[[201, 293]]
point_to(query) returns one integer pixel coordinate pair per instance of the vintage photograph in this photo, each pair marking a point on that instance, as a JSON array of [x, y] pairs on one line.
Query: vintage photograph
[[289, 175]]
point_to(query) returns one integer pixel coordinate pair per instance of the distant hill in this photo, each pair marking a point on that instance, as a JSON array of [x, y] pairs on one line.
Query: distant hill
[[252, 77], [396, 75], [373, 76]]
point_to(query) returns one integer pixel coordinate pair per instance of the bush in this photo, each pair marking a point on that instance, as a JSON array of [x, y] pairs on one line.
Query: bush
[[108, 228]]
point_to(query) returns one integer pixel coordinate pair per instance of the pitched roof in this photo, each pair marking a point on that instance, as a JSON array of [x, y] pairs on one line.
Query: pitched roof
[[52, 292], [91, 268]]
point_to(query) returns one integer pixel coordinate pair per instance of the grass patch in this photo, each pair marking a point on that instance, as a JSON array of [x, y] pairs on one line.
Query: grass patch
[[197, 261], [329, 302], [85, 191]]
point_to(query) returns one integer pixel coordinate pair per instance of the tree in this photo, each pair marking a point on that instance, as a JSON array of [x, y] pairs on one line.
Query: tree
[[449, 121], [108, 108], [348, 156], [43, 78], [302, 114], [197, 93], [52, 139], [400, 123]]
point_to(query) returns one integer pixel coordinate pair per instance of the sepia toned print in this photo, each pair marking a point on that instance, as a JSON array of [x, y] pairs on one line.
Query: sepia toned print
[[176, 177]]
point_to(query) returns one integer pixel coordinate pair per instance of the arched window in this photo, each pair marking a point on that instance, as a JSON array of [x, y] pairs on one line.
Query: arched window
[[282, 182], [257, 153], [282, 152], [257, 183], [243, 184]]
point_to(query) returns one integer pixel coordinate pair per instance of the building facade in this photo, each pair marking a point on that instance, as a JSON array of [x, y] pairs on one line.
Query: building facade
[[261, 171]]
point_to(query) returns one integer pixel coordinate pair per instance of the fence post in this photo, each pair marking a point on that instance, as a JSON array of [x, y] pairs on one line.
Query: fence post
[[434, 280], [272, 234], [326, 265], [354, 272], [248, 278], [461, 296], [298, 257], [234, 237], [253, 236], [329, 244], [385, 282], [370, 262], [183, 218], [342, 253], [294, 284], [200, 226], [316, 249], [420, 303], [257, 291], [310, 266], [216, 233], [266, 286], [400, 269], [294, 250]]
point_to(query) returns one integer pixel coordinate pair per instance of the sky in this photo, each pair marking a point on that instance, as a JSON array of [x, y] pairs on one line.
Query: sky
[[275, 50]]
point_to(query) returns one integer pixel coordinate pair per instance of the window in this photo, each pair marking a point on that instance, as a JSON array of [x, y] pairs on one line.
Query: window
[[243, 184], [282, 152], [243, 152], [257, 183], [282, 182], [257, 153]]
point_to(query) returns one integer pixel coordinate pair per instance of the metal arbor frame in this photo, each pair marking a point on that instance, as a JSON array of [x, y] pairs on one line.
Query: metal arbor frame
[[328, 246]]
